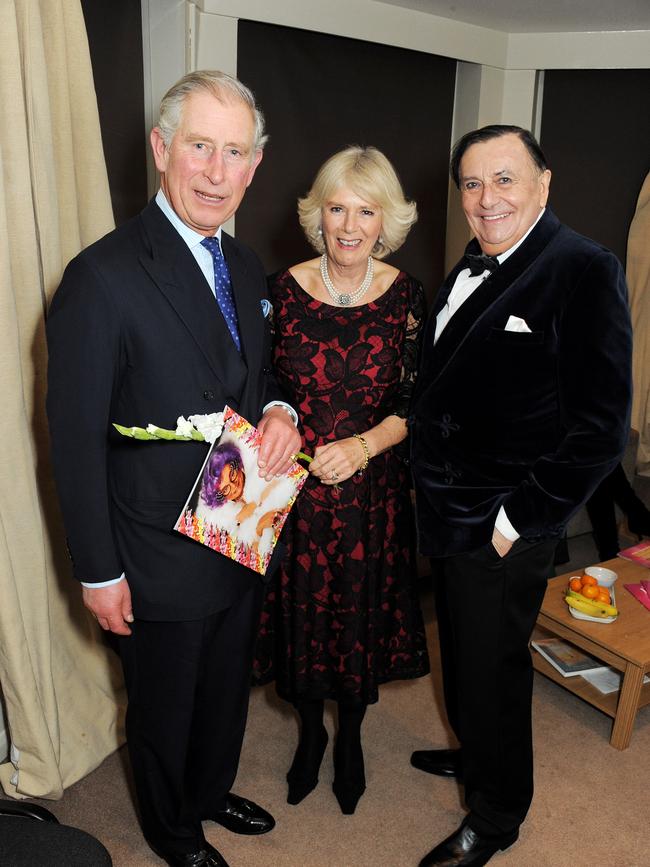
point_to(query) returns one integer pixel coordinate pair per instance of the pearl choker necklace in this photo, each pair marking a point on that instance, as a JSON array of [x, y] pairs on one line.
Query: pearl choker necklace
[[345, 299]]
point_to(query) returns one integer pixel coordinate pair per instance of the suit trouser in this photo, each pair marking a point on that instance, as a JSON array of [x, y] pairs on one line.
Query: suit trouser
[[487, 608], [188, 686]]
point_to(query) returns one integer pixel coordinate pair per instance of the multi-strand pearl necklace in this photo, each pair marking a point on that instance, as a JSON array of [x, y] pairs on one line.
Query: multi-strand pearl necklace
[[345, 299]]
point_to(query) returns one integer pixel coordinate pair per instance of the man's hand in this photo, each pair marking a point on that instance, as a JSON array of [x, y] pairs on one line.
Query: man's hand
[[110, 606], [280, 440], [501, 544]]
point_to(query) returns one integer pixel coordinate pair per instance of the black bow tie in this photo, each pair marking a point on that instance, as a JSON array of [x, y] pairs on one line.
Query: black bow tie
[[479, 264]]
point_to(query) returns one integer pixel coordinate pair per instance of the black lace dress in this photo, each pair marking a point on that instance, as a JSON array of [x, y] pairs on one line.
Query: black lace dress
[[343, 615]]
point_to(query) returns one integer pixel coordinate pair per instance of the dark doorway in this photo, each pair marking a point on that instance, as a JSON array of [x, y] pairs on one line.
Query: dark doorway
[[320, 93]]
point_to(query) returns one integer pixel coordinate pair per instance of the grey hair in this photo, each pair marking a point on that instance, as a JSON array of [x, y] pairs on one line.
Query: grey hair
[[220, 85], [369, 174]]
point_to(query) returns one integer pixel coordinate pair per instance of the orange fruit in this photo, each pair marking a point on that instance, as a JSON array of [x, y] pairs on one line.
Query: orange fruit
[[588, 581], [603, 595], [589, 591], [575, 584]]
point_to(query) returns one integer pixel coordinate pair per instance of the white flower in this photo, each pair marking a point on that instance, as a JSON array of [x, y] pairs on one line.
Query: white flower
[[209, 425], [184, 427], [151, 428]]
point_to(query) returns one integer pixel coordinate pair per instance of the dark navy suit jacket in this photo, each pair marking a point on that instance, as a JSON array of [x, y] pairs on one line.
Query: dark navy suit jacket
[[135, 336], [531, 421]]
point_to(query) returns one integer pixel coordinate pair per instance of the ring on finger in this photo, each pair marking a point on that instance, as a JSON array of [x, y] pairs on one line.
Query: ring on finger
[[334, 475]]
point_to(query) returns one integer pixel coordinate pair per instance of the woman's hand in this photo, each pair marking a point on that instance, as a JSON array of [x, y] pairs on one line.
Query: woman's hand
[[337, 461]]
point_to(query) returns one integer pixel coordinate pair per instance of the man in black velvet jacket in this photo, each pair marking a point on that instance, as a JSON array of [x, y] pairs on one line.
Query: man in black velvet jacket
[[147, 325], [521, 408]]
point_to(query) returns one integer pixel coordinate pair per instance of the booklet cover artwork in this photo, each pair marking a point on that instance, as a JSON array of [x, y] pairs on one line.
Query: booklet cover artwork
[[231, 509]]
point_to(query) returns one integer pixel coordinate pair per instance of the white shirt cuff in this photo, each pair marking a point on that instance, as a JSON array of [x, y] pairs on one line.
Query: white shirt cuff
[[98, 584], [284, 406], [504, 526]]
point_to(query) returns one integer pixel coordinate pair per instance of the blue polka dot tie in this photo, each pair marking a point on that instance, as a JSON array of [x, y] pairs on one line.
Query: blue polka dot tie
[[223, 288]]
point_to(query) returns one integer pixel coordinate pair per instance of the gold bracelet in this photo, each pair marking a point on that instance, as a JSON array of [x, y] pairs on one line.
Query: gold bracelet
[[366, 452]]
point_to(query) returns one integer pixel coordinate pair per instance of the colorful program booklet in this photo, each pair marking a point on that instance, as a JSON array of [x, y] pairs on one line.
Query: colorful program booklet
[[231, 508]]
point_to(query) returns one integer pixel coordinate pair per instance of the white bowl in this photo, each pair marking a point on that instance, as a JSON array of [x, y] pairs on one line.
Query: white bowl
[[605, 577]]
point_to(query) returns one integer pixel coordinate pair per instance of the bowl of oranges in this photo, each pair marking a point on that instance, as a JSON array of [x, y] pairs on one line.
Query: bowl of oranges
[[591, 596]]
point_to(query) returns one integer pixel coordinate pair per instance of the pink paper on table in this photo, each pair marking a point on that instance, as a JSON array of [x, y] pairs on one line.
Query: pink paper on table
[[639, 593]]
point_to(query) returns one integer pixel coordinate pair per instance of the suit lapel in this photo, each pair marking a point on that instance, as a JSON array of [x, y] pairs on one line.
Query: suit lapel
[[247, 289], [470, 313], [175, 272]]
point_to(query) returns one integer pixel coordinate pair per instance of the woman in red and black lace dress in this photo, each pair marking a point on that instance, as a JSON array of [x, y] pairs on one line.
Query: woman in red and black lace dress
[[344, 615]]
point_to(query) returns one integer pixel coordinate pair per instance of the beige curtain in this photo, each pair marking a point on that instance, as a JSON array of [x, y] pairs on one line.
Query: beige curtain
[[638, 277], [61, 686]]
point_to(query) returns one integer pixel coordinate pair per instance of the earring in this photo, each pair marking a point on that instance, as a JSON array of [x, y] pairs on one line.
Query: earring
[[320, 230]]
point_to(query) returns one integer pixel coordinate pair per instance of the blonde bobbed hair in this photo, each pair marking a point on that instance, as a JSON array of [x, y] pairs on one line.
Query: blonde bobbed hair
[[367, 172]]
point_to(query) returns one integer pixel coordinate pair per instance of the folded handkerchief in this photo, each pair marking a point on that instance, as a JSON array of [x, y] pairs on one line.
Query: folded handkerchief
[[266, 307], [514, 323]]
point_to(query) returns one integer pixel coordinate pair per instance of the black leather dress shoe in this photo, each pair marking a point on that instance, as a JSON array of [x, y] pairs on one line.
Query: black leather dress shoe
[[243, 817], [207, 856], [465, 848], [443, 763]]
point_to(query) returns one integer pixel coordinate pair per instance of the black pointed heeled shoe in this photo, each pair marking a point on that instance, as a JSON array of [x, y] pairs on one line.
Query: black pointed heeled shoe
[[348, 794], [349, 778], [302, 776]]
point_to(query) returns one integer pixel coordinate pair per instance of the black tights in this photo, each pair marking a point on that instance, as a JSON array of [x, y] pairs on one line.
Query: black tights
[[350, 717], [348, 739]]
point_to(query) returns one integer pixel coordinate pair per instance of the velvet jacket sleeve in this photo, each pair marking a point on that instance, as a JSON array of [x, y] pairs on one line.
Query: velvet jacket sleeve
[[594, 395], [415, 320]]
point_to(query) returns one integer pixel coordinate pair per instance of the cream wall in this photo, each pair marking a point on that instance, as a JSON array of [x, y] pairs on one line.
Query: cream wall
[[499, 80]]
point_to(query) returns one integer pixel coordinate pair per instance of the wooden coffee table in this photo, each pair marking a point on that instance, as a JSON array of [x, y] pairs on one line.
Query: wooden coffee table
[[623, 644]]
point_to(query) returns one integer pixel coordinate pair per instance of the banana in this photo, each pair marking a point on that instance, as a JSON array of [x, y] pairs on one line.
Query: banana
[[585, 606], [593, 609], [610, 610]]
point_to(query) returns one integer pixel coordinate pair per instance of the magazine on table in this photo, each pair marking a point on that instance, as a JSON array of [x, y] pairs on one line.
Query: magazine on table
[[566, 658], [231, 508], [639, 554], [607, 679]]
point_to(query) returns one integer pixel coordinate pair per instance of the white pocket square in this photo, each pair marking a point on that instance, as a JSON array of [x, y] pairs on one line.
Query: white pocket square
[[514, 323], [266, 307]]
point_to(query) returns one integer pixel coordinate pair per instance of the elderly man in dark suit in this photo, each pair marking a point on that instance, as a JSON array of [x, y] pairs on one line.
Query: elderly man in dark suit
[[163, 317], [521, 408]]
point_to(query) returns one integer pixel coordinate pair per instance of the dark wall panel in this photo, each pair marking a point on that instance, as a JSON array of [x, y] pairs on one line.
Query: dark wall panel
[[115, 40], [320, 93], [596, 136]]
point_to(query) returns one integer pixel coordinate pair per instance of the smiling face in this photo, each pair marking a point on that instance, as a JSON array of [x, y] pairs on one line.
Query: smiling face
[[351, 227], [231, 482], [502, 191], [205, 170]]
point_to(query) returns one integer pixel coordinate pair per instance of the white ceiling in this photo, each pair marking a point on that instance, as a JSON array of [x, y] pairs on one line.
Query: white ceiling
[[539, 16]]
